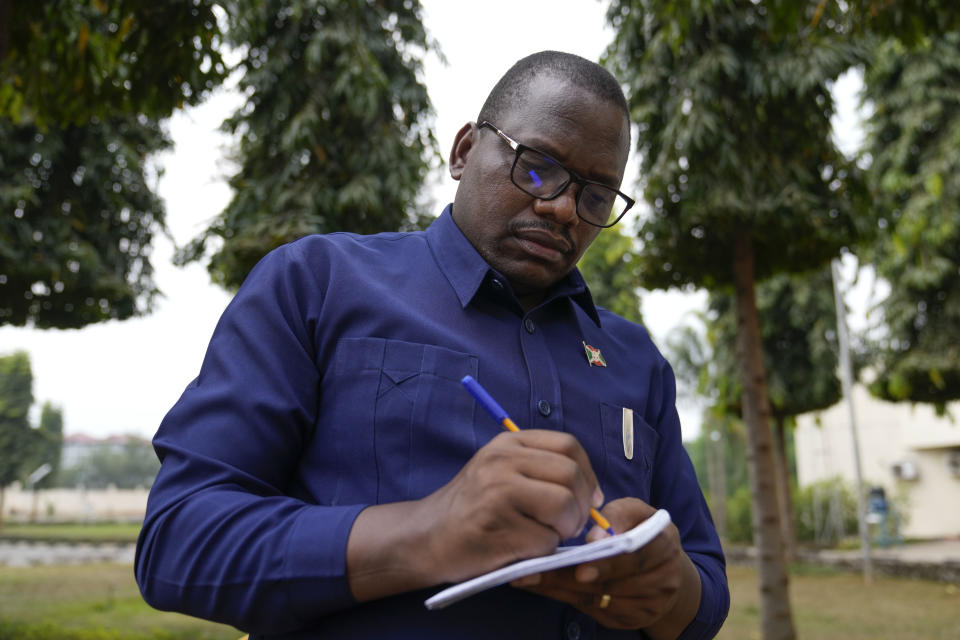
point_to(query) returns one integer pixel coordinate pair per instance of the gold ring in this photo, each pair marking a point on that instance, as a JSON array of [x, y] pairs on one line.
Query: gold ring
[[605, 601]]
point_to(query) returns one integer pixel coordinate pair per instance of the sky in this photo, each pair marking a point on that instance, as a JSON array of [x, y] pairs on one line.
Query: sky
[[122, 377]]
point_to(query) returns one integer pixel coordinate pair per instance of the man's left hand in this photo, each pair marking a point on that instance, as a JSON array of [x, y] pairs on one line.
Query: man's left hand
[[656, 588]]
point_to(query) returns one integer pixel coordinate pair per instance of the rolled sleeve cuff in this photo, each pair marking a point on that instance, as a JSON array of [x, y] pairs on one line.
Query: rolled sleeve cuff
[[316, 561], [714, 605]]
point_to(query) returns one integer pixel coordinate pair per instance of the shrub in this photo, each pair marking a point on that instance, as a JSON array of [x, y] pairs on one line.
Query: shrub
[[825, 512], [739, 516]]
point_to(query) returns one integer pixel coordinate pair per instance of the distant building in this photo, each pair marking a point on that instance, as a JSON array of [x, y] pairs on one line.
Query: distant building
[[906, 449], [78, 446]]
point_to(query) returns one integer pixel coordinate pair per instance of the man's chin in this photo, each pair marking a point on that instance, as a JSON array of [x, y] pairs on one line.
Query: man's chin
[[533, 282]]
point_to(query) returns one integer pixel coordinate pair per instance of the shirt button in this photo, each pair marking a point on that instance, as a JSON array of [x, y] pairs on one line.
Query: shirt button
[[528, 325], [544, 408], [496, 284], [573, 631]]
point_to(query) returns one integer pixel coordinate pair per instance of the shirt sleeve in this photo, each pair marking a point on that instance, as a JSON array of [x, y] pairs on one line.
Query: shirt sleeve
[[675, 488], [223, 538]]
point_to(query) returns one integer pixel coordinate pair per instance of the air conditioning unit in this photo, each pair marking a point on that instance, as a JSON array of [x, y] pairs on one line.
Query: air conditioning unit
[[905, 470], [953, 462]]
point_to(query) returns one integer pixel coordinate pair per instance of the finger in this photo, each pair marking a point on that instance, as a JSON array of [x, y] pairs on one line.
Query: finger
[[658, 553], [553, 505], [621, 610], [515, 455], [566, 445]]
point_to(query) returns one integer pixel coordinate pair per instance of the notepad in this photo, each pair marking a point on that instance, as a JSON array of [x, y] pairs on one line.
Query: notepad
[[626, 542]]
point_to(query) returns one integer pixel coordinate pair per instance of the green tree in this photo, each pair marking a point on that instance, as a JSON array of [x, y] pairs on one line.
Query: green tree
[[912, 139], [335, 135], [68, 63], [82, 88], [48, 444], [76, 248], [734, 134], [16, 437], [133, 465], [609, 267], [798, 323]]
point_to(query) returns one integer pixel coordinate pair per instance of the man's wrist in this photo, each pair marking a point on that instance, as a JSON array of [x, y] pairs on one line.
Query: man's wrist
[[387, 552], [685, 608]]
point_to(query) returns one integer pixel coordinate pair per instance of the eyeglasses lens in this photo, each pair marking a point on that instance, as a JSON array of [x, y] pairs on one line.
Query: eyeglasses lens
[[541, 177]]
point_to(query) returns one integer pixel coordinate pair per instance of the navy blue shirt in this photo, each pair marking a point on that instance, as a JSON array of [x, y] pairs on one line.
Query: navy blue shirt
[[332, 382]]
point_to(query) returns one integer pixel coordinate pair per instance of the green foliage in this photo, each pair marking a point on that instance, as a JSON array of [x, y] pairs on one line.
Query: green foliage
[[734, 450], [67, 63], [739, 516], [909, 21], [825, 512], [734, 122], [16, 396], [48, 444], [82, 88], [75, 245], [798, 322], [913, 136], [335, 135], [609, 267], [132, 465]]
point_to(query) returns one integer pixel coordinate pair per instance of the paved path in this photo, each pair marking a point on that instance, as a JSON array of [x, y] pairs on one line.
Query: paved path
[[922, 552], [936, 560], [27, 554]]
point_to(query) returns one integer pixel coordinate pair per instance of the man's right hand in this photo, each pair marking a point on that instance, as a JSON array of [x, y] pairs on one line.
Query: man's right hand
[[516, 498]]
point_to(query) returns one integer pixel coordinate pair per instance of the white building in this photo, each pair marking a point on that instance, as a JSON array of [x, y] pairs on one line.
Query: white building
[[906, 449], [78, 446]]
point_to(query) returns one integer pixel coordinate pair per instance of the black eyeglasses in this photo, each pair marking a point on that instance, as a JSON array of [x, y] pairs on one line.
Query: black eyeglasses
[[538, 175]]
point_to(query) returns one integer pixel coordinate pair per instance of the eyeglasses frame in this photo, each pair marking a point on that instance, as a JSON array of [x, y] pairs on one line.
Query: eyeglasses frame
[[576, 178]]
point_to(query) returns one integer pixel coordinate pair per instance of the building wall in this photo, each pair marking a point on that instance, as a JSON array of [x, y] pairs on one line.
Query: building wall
[[889, 434], [76, 504]]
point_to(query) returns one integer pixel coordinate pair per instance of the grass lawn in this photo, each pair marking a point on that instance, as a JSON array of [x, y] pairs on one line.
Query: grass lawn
[[74, 602], [829, 605], [75, 532], [101, 602]]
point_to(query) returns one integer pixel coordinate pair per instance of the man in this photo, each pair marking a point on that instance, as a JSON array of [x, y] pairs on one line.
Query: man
[[325, 472]]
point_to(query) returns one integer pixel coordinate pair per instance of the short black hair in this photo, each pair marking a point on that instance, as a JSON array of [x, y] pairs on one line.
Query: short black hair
[[513, 87]]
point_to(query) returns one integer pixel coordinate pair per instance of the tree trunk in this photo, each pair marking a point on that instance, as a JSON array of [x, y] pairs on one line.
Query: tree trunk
[[783, 489], [775, 614], [3, 495]]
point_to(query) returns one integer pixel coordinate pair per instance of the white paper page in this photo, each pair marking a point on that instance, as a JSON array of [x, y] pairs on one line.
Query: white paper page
[[626, 542]]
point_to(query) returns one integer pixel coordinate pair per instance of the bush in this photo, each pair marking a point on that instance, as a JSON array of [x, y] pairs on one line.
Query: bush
[[825, 512], [739, 516]]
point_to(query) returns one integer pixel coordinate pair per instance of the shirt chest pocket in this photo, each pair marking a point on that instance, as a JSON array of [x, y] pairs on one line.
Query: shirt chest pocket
[[629, 450], [411, 422]]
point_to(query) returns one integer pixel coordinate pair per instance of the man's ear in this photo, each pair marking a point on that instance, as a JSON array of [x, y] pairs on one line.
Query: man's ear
[[463, 144]]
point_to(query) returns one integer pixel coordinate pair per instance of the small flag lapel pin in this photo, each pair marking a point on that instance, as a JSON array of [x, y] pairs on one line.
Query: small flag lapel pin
[[594, 357]]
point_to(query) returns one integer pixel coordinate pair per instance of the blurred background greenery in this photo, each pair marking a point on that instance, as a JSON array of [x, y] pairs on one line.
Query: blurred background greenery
[[746, 193]]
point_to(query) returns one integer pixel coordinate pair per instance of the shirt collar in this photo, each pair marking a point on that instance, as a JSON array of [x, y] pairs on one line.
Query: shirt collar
[[466, 270]]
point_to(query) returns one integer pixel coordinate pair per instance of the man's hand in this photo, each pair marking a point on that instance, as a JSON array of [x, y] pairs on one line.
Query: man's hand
[[656, 588], [516, 498]]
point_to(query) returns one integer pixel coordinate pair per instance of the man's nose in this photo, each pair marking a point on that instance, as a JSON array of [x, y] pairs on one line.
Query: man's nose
[[563, 208]]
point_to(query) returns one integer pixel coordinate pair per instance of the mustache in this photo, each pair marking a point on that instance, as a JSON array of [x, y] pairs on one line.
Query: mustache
[[546, 225]]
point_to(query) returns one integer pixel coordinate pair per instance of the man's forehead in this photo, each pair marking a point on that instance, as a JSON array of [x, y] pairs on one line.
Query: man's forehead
[[550, 104]]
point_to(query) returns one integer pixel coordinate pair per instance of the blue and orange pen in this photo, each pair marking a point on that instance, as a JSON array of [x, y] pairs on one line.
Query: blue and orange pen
[[497, 413]]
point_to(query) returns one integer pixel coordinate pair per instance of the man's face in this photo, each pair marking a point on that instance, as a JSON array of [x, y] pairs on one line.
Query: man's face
[[533, 242]]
